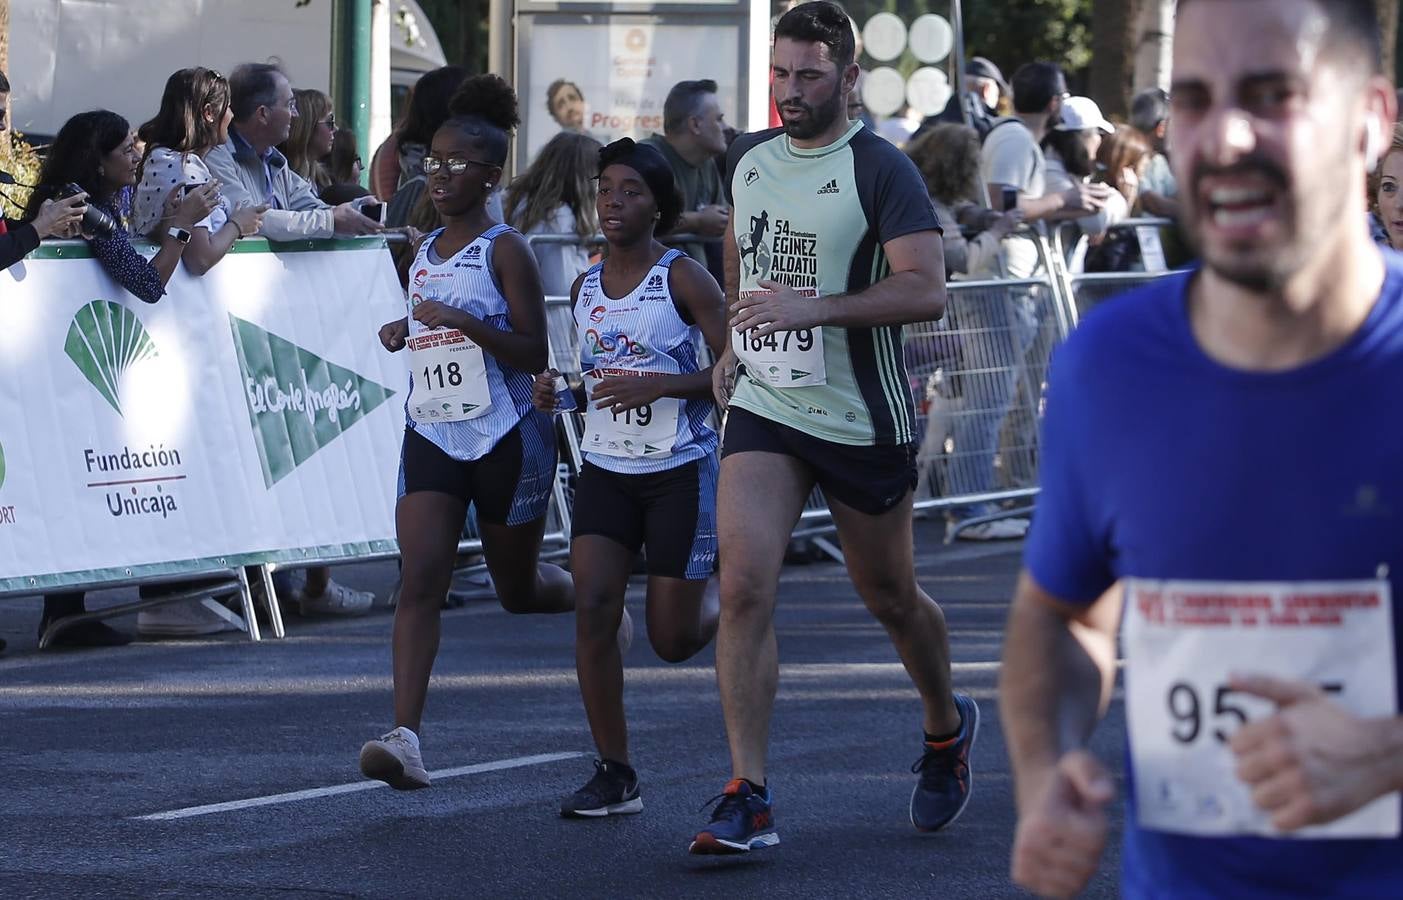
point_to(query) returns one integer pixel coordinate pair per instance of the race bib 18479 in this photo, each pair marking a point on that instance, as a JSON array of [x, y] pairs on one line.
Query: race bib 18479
[[1184, 639]]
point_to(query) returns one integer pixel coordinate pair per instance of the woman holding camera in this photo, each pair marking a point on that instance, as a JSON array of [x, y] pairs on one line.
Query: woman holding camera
[[96, 153], [193, 120]]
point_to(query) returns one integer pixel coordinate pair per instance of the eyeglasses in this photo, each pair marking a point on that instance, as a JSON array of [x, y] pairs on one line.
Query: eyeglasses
[[329, 122], [432, 164]]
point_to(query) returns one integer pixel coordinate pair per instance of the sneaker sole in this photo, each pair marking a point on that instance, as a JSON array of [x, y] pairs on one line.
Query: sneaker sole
[[627, 808], [708, 844], [381, 765], [969, 765]]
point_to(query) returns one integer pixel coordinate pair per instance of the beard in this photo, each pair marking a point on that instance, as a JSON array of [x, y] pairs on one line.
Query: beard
[[818, 118], [1267, 267]]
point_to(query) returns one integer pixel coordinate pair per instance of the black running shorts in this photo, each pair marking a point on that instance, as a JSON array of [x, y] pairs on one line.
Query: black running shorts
[[672, 513], [511, 485], [870, 479]]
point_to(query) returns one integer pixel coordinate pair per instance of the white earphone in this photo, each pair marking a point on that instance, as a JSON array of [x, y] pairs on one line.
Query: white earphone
[[1373, 141]]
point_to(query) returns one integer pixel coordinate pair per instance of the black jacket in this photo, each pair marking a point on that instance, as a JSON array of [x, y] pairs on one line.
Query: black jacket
[[18, 241]]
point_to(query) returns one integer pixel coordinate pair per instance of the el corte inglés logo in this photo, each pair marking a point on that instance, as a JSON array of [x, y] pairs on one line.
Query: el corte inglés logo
[[298, 402]]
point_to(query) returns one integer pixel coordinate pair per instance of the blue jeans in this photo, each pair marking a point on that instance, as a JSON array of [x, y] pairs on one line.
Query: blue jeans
[[997, 332]]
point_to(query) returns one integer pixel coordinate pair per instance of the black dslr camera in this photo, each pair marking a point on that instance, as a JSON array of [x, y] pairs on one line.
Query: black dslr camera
[[96, 221]]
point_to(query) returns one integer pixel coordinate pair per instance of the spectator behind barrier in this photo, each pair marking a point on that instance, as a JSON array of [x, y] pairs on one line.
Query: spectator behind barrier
[[428, 110], [97, 152], [251, 170], [1070, 149], [556, 196], [1122, 161], [1386, 182], [948, 157], [344, 166], [1011, 158], [53, 219], [1149, 114], [193, 120], [308, 144], [693, 134], [983, 90]]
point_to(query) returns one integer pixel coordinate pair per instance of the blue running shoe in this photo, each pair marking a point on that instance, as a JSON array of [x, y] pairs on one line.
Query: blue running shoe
[[742, 821], [944, 782]]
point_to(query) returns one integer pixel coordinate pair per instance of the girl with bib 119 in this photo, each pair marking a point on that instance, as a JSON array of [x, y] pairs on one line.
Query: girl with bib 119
[[650, 466], [476, 329]]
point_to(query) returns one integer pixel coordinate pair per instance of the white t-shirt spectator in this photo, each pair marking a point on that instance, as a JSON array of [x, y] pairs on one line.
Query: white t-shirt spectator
[[163, 170], [560, 264], [1012, 157]]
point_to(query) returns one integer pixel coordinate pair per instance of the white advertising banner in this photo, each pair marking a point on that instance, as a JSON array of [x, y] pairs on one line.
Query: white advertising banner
[[251, 415], [620, 74]]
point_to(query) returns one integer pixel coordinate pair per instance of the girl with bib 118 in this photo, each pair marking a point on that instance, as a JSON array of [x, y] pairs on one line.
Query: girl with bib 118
[[649, 475], [476, 329]]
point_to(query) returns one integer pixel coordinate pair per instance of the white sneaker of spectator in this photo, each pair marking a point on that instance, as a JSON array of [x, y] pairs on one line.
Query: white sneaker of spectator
[[336, 600], [395, 760], [997, 530], [188, 619]]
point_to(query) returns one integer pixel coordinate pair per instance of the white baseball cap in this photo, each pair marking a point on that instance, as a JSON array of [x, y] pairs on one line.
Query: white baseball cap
[[1082, 114]]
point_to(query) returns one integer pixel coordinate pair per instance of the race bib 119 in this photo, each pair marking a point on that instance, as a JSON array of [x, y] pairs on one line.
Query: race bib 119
[[648, 431], [1184, 639]]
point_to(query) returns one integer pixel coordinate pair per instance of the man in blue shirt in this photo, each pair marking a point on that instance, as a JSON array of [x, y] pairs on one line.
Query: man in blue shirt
[[1222, 447]]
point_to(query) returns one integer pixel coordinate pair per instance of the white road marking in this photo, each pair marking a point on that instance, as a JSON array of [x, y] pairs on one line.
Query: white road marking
[[313, 793]]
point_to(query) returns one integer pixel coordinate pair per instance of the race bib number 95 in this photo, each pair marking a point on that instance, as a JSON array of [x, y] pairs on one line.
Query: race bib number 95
[[1184, 639]]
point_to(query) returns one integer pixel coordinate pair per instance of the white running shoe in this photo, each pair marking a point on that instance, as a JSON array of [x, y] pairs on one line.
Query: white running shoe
[[187, 619], [997, 530], [336, 600], [395, 760]]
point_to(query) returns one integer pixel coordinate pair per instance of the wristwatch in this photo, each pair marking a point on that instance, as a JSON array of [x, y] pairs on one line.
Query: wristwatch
[[180, 234]]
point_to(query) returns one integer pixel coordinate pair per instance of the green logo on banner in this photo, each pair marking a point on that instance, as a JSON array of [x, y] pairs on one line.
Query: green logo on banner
[[2, 465], [297, 401], [104, 340]]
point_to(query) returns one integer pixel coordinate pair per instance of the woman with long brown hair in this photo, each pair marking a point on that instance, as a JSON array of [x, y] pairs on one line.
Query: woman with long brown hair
[[193, 120], [556, 196], [309, 143]]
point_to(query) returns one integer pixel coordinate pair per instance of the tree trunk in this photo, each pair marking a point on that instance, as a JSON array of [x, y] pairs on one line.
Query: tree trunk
[[1388, 28], [1113, 45]]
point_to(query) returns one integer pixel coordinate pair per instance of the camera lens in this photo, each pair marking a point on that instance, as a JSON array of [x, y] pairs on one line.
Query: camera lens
[[99, 222], [96, 221]]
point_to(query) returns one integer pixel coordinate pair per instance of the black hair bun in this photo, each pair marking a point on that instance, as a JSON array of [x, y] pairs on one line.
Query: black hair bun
[[487, 97]]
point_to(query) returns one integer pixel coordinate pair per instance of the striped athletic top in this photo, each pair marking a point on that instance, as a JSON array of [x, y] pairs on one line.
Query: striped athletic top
[[466, 281], [644, 332]]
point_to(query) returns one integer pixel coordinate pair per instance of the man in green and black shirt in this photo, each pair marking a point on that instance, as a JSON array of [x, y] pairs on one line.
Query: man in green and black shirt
[[833, 247]]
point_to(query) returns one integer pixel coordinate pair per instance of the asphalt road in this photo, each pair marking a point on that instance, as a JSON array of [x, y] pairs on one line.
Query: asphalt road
[[93, 741]]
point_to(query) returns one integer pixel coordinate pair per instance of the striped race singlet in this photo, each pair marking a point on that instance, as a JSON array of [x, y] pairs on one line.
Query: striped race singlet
[[639, 333], [465, 281]]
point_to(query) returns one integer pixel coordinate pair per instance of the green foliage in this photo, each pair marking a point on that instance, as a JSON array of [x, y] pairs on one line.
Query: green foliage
[[19, 159]]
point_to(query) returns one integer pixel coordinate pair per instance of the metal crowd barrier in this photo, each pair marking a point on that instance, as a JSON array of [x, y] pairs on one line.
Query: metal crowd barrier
[[1086, 290], [976, 375]]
